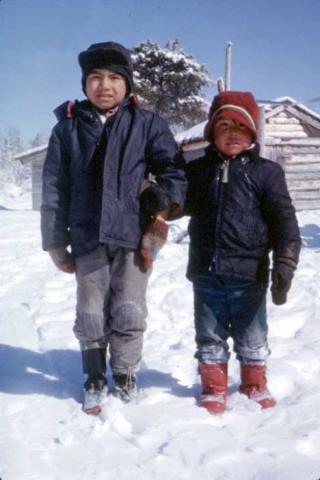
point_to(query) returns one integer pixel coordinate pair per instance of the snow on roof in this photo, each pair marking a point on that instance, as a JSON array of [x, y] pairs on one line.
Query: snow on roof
[[191, 135], [290, 100], [30, 152], [195, 133]]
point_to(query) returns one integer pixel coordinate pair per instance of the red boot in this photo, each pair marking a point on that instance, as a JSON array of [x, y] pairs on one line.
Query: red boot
[[254, 385], [214, 380]]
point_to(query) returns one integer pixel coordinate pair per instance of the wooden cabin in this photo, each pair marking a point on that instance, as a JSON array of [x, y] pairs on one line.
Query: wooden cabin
[[291, 137], [291, 133]]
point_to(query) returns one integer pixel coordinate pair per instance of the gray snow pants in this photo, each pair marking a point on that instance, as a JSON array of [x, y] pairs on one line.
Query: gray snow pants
[[111, 305]]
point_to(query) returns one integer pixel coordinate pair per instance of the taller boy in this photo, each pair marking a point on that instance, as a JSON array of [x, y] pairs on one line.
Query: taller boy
[[96, 199]]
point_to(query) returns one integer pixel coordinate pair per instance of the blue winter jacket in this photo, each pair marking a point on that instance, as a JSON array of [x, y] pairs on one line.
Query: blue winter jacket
[[240, 211], [93, 176]]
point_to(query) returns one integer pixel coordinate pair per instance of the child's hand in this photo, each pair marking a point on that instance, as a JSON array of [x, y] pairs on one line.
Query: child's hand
[[67, 266], [152, 241], [282, 275], [62, 259]]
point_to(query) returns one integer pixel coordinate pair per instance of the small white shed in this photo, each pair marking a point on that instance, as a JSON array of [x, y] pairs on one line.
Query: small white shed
[[36, 157]]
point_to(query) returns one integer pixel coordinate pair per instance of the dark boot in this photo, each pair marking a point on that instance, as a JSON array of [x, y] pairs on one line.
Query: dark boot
[[254, 385], [214, 380], [95, 387], [125, 386], [95, 394], [94, 361]]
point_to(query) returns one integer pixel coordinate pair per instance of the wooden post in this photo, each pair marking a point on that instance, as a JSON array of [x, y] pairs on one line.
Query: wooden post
[[220, 84]]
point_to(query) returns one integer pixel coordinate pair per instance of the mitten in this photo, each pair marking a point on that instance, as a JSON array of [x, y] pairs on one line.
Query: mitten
[[153, 199], [152, 241], [62, 259], [282, 275]]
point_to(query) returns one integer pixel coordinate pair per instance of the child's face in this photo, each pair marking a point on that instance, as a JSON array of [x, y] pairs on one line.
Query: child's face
[[105, 89], [231, 137]]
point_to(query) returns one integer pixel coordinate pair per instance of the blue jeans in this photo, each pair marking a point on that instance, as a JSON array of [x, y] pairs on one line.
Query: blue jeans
[[226, 307]]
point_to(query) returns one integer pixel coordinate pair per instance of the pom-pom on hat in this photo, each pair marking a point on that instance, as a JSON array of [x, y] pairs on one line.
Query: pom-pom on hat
[[109, 55], [240, 106]]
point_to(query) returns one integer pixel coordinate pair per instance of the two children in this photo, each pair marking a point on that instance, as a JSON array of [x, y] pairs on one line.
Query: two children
[[240, 212], [102, 219]]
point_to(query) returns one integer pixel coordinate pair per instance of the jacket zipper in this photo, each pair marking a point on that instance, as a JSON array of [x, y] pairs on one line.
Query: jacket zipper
[[225, 169], [222, 178]]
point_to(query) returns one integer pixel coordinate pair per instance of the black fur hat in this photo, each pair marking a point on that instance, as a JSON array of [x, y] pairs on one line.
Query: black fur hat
[[109, 55]]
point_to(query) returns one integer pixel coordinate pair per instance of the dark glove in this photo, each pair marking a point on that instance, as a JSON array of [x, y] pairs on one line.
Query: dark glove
[[152, 241], [282, 275], [62, 259], [153, 199]]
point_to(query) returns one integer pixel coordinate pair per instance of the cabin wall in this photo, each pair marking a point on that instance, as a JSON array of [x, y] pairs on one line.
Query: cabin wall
[[301, 164], [284, 126], [37, 166]]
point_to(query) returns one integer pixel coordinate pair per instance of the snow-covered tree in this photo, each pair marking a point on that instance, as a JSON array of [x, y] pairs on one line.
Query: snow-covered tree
[[40, 139], [10, 170], [170, 82]]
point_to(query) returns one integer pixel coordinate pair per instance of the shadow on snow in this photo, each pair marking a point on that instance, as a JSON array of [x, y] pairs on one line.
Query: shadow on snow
[[57, 373], [54, 373], [310, 235]]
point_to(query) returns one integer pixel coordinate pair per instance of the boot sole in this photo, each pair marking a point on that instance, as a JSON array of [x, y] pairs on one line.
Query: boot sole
[[213, 406], [93, 410]]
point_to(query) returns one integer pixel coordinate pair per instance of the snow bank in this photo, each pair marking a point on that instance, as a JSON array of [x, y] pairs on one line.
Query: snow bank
[[163, 435]]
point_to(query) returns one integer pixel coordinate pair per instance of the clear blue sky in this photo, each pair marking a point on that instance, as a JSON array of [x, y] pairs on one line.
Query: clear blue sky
[[275, 47]]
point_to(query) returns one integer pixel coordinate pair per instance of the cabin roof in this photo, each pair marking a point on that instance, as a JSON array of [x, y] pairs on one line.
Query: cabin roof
[[305, 114], [31, 152]]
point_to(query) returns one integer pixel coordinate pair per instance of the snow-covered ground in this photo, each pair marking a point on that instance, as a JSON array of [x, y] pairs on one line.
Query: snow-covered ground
[[162, 436]]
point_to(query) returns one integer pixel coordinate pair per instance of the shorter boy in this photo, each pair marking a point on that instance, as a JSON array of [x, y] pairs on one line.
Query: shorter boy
[[240, 210]]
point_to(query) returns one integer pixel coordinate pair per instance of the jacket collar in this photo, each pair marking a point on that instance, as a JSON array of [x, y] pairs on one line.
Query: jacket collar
[[250, 154], [84, 109]]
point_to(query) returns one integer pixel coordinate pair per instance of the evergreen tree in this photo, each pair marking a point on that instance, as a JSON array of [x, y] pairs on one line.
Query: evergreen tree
[[170, 81], [10, 169], [39, 140]]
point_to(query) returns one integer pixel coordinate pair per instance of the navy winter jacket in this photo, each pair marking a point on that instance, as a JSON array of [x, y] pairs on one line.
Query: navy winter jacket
[[93, 175], [240, 211]]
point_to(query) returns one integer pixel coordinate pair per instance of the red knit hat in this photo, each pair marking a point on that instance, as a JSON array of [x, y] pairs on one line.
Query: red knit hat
[[240, 106]]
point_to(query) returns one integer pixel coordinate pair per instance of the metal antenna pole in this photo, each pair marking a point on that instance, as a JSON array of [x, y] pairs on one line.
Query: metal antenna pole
[[228, 67]]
